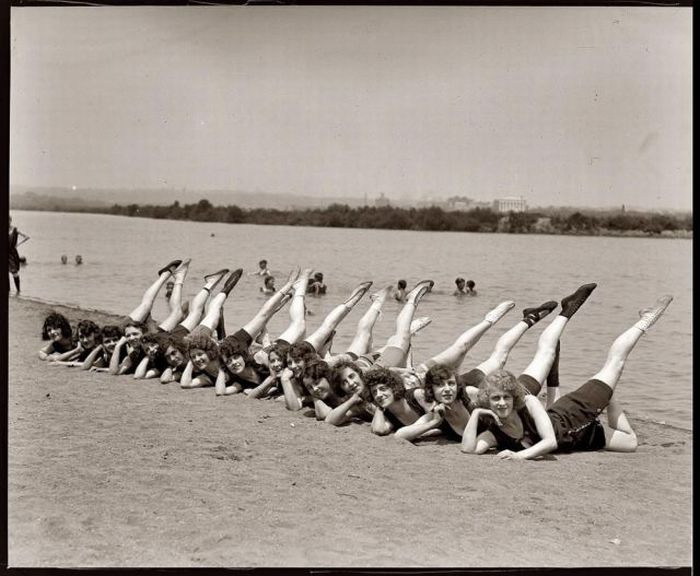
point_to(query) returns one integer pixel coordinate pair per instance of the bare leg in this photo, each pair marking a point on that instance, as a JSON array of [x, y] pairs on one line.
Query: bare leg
[[402, 336], [362, 342], [318, 338], [197, 305], [625, 342], [547, 344], [619, 437], [213, 316], [454, 355], [141, 312], [175, 301], [297, 310], [270, 308]]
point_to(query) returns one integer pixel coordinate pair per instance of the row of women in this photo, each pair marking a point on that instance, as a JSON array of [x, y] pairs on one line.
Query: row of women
[[483, 409]]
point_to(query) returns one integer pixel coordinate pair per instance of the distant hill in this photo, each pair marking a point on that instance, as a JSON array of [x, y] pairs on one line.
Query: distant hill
[[26, 198]]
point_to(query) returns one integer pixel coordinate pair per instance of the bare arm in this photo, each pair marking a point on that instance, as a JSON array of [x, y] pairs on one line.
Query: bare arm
[[292, 392], [340, 414], [380, 425], [220, 385], [473, 444], [46, 351], [262, 389], [90, 360], [140, 371], [114, 360], [548, 440], [427, 422], [321, 409]]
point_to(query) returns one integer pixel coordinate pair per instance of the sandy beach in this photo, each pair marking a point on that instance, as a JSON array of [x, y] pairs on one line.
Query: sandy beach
[[110, 471]]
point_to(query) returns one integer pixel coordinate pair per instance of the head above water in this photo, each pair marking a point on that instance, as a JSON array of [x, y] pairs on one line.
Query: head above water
[[401, 284], [460, 282]]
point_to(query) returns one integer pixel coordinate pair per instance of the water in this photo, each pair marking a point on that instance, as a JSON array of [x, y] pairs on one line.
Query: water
[[121, 256]]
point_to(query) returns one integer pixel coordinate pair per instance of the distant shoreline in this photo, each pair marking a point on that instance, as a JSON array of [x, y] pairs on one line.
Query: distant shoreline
[[433, 219]]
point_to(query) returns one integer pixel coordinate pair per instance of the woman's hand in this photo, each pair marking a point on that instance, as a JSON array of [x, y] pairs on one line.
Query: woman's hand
[[508, 455], [491, 413]]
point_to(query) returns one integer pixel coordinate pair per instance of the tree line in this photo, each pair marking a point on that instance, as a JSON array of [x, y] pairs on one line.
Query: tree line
[[431, 218]]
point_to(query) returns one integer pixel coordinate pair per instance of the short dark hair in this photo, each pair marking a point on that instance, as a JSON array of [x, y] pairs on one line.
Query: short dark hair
[[301, 351], [402, 284], [380, 375], [89, 327], [56, 320], [202, 342], [135, 324], [470, 283], [280, 348], [436, 375], [234, 346], [112, 331]]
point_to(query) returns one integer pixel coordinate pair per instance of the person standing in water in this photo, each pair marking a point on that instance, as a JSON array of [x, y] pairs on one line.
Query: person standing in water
[[13, 255]]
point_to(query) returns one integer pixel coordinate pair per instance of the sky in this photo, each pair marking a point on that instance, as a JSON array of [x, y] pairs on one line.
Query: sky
[[561, 105]]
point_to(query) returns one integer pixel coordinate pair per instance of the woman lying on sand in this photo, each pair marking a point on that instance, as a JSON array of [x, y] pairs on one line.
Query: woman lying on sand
[[139, 320], [202, 351], [57, 330], [521, 428], [444, 399], [165, 351], [349, 375]]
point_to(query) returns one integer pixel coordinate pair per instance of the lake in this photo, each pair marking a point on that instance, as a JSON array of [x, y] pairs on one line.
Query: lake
[[121, 256]]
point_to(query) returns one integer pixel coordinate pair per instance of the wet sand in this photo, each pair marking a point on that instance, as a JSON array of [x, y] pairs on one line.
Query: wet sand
[[111, 471]]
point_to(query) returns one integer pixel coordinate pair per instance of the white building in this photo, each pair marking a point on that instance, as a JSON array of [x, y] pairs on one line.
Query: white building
[[510, 204]]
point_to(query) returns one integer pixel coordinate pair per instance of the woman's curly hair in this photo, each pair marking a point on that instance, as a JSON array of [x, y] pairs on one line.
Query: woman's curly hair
[[160, 339], [234, 346], [381, 375], [279, 349], [56, 320], [202, 342], [315, 370], [301, 351], [436, 375], [335, 376], [504, 381], [87, 327]]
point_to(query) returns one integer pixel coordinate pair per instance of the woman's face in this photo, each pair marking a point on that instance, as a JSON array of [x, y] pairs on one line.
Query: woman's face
[[199, 358], [133, 335], [87, 340], [445, 391], [350, 381], [276, 363], [319, 388], [383, 395], [501, 402], [151, 350], [109, 343], [174, 357], [55, 333], [235, 363], [296, 366]]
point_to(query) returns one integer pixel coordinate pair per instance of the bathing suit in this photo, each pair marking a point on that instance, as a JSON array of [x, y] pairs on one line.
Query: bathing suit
[[260, 369], [574, 418]]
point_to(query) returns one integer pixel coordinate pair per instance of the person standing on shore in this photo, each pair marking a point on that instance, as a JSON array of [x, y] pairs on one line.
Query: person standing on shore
[[13, 255]]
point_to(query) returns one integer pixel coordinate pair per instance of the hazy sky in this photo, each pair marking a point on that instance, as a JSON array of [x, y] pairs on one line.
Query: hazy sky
[[565, 106]]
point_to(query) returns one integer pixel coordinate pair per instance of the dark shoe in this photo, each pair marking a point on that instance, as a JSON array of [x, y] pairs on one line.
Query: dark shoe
[[533, 315], [170, 267], [571, 304], [232, 280]]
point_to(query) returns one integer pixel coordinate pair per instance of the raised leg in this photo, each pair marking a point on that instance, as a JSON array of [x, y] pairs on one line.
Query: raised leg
[[141, 312], [318, 338], [297, 310]]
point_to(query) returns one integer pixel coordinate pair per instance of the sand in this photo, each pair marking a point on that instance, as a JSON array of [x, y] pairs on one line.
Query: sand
[[110, 471]]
